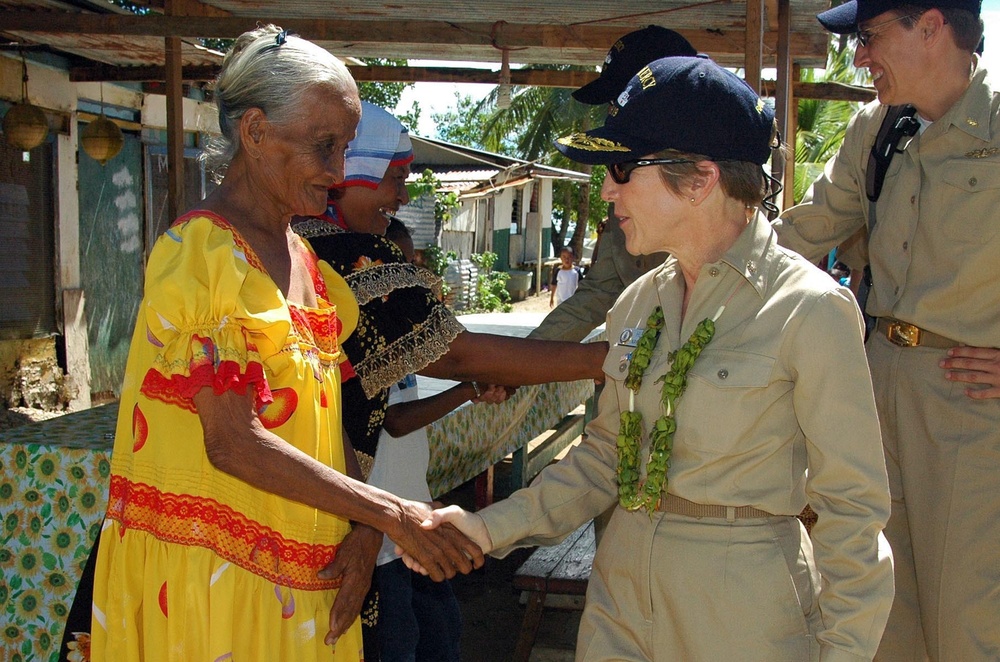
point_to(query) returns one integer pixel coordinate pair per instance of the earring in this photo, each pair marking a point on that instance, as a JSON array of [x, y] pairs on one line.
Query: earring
[[692, 200]]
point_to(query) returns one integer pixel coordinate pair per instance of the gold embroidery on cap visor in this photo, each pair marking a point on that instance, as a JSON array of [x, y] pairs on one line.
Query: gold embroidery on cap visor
[[587, 143]]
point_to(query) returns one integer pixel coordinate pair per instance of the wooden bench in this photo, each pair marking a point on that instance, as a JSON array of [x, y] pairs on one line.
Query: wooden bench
[[562, 569]]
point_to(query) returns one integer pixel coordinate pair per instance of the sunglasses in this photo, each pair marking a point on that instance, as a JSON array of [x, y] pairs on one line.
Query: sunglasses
[[622, 172], [864, 37]]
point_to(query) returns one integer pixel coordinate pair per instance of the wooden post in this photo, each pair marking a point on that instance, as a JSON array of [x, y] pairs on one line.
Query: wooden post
[[175, 121], [754, 43], [783, 169], [790, 138]]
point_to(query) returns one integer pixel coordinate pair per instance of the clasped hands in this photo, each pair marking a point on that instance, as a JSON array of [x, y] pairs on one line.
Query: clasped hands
[[438, 551], [469, 524]]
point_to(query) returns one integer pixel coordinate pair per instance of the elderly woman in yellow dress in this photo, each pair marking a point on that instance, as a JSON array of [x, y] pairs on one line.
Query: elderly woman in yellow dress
[[737, 392], [233, 531]]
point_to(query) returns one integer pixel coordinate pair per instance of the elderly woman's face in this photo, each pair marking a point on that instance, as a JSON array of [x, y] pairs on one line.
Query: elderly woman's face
[[363, 207], [306, 156], [649, 213]]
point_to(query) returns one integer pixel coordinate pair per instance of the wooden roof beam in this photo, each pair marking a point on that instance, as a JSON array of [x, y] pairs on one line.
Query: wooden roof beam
[[389, 74], [591, 37]]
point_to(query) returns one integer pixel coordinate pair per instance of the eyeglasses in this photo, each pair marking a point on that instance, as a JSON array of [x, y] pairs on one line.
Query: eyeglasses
[[864, 37], [622, 172]]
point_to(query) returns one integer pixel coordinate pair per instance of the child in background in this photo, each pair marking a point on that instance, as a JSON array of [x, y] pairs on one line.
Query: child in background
[[565, 279], [418, 619]]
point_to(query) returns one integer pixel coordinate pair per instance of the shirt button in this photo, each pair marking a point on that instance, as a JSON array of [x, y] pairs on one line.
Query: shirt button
[[713, 272], [913, 199], [723, 373], [973, 181], [906, 245], [896, 291]]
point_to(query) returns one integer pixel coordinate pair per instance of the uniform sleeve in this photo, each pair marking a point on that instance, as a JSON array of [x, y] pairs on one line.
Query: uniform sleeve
[[210, 319], [580, 314], [846, 485], [566, 494], [835, 206]]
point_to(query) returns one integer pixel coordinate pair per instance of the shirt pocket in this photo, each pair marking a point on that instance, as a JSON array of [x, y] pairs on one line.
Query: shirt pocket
[[971, 215], [725, 398]]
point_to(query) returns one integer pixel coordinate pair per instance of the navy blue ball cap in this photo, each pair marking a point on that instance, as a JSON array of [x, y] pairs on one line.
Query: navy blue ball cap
[[845, 18], [689, 104], [627, 56]]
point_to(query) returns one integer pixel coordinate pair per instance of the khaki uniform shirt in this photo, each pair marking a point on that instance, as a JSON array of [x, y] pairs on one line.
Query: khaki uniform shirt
[[935, 247], [766, 401]]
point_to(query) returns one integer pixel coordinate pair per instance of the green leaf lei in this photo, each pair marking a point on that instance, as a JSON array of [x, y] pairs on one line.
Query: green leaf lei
[[631, 494]]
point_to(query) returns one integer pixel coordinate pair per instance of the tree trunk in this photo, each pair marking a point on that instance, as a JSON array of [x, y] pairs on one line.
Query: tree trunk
[[582, 216], [559, 233]]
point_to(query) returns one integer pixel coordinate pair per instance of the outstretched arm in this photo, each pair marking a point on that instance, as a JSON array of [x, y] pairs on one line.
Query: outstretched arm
[[494, 359], [403, 418], [237, 443]]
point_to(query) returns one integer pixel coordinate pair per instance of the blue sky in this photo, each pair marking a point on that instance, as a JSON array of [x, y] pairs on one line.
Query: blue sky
[[438, 97]]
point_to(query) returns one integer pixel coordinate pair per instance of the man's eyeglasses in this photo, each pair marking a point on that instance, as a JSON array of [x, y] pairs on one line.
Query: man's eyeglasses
[[621, 172], [864, 37]]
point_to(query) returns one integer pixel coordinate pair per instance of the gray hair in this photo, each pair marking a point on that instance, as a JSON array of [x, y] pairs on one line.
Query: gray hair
[[271, 70]]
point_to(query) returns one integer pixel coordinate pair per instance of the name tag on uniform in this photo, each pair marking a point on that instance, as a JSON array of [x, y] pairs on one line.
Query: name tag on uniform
[[630, 336]]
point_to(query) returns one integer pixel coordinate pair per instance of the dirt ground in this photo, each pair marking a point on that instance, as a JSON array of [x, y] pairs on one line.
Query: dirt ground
[[491, 608]]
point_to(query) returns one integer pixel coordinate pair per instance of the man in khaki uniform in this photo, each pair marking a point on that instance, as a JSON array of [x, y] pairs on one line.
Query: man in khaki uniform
[[935, 258]]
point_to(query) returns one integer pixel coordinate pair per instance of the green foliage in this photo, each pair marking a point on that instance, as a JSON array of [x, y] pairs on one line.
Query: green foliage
[[131, 7], [465, 124], [444, 201], [385, 95], [436, 260], [491, 286], [822, 124]]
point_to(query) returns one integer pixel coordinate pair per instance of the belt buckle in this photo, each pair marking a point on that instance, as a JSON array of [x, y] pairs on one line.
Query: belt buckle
[[903, 334]]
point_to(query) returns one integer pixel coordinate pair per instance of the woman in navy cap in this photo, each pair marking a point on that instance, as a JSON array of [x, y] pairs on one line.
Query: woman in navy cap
[[736, 393]]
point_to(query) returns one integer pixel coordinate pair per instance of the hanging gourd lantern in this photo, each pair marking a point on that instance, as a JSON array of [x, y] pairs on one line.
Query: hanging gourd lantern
[[102, 139], [24, 125]]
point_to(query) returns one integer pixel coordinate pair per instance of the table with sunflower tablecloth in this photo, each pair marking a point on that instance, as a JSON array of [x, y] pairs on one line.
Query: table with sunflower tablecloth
[[53, 494]]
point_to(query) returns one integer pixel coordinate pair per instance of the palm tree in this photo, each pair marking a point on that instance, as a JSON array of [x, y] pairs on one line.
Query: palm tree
[[535, 118], [822, 124]]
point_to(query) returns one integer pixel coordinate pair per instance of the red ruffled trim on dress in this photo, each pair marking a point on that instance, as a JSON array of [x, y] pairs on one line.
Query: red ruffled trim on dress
[[200, 521], [179, 390]]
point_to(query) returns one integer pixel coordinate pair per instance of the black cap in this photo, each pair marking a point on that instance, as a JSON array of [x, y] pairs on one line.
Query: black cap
[[845, 18], [627, 56], [689, 104]]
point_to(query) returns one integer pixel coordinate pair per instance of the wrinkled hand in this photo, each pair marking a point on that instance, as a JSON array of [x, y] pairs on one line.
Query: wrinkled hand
[[354, 565], [441, 552], [975, 365], [492, 395], [468, 523]]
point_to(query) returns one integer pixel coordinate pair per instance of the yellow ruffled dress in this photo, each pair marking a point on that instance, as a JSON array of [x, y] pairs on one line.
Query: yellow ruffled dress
[[193, 564]]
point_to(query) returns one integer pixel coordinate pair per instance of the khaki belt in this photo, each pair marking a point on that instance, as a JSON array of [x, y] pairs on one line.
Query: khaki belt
[[681, 506], [907, 335]]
